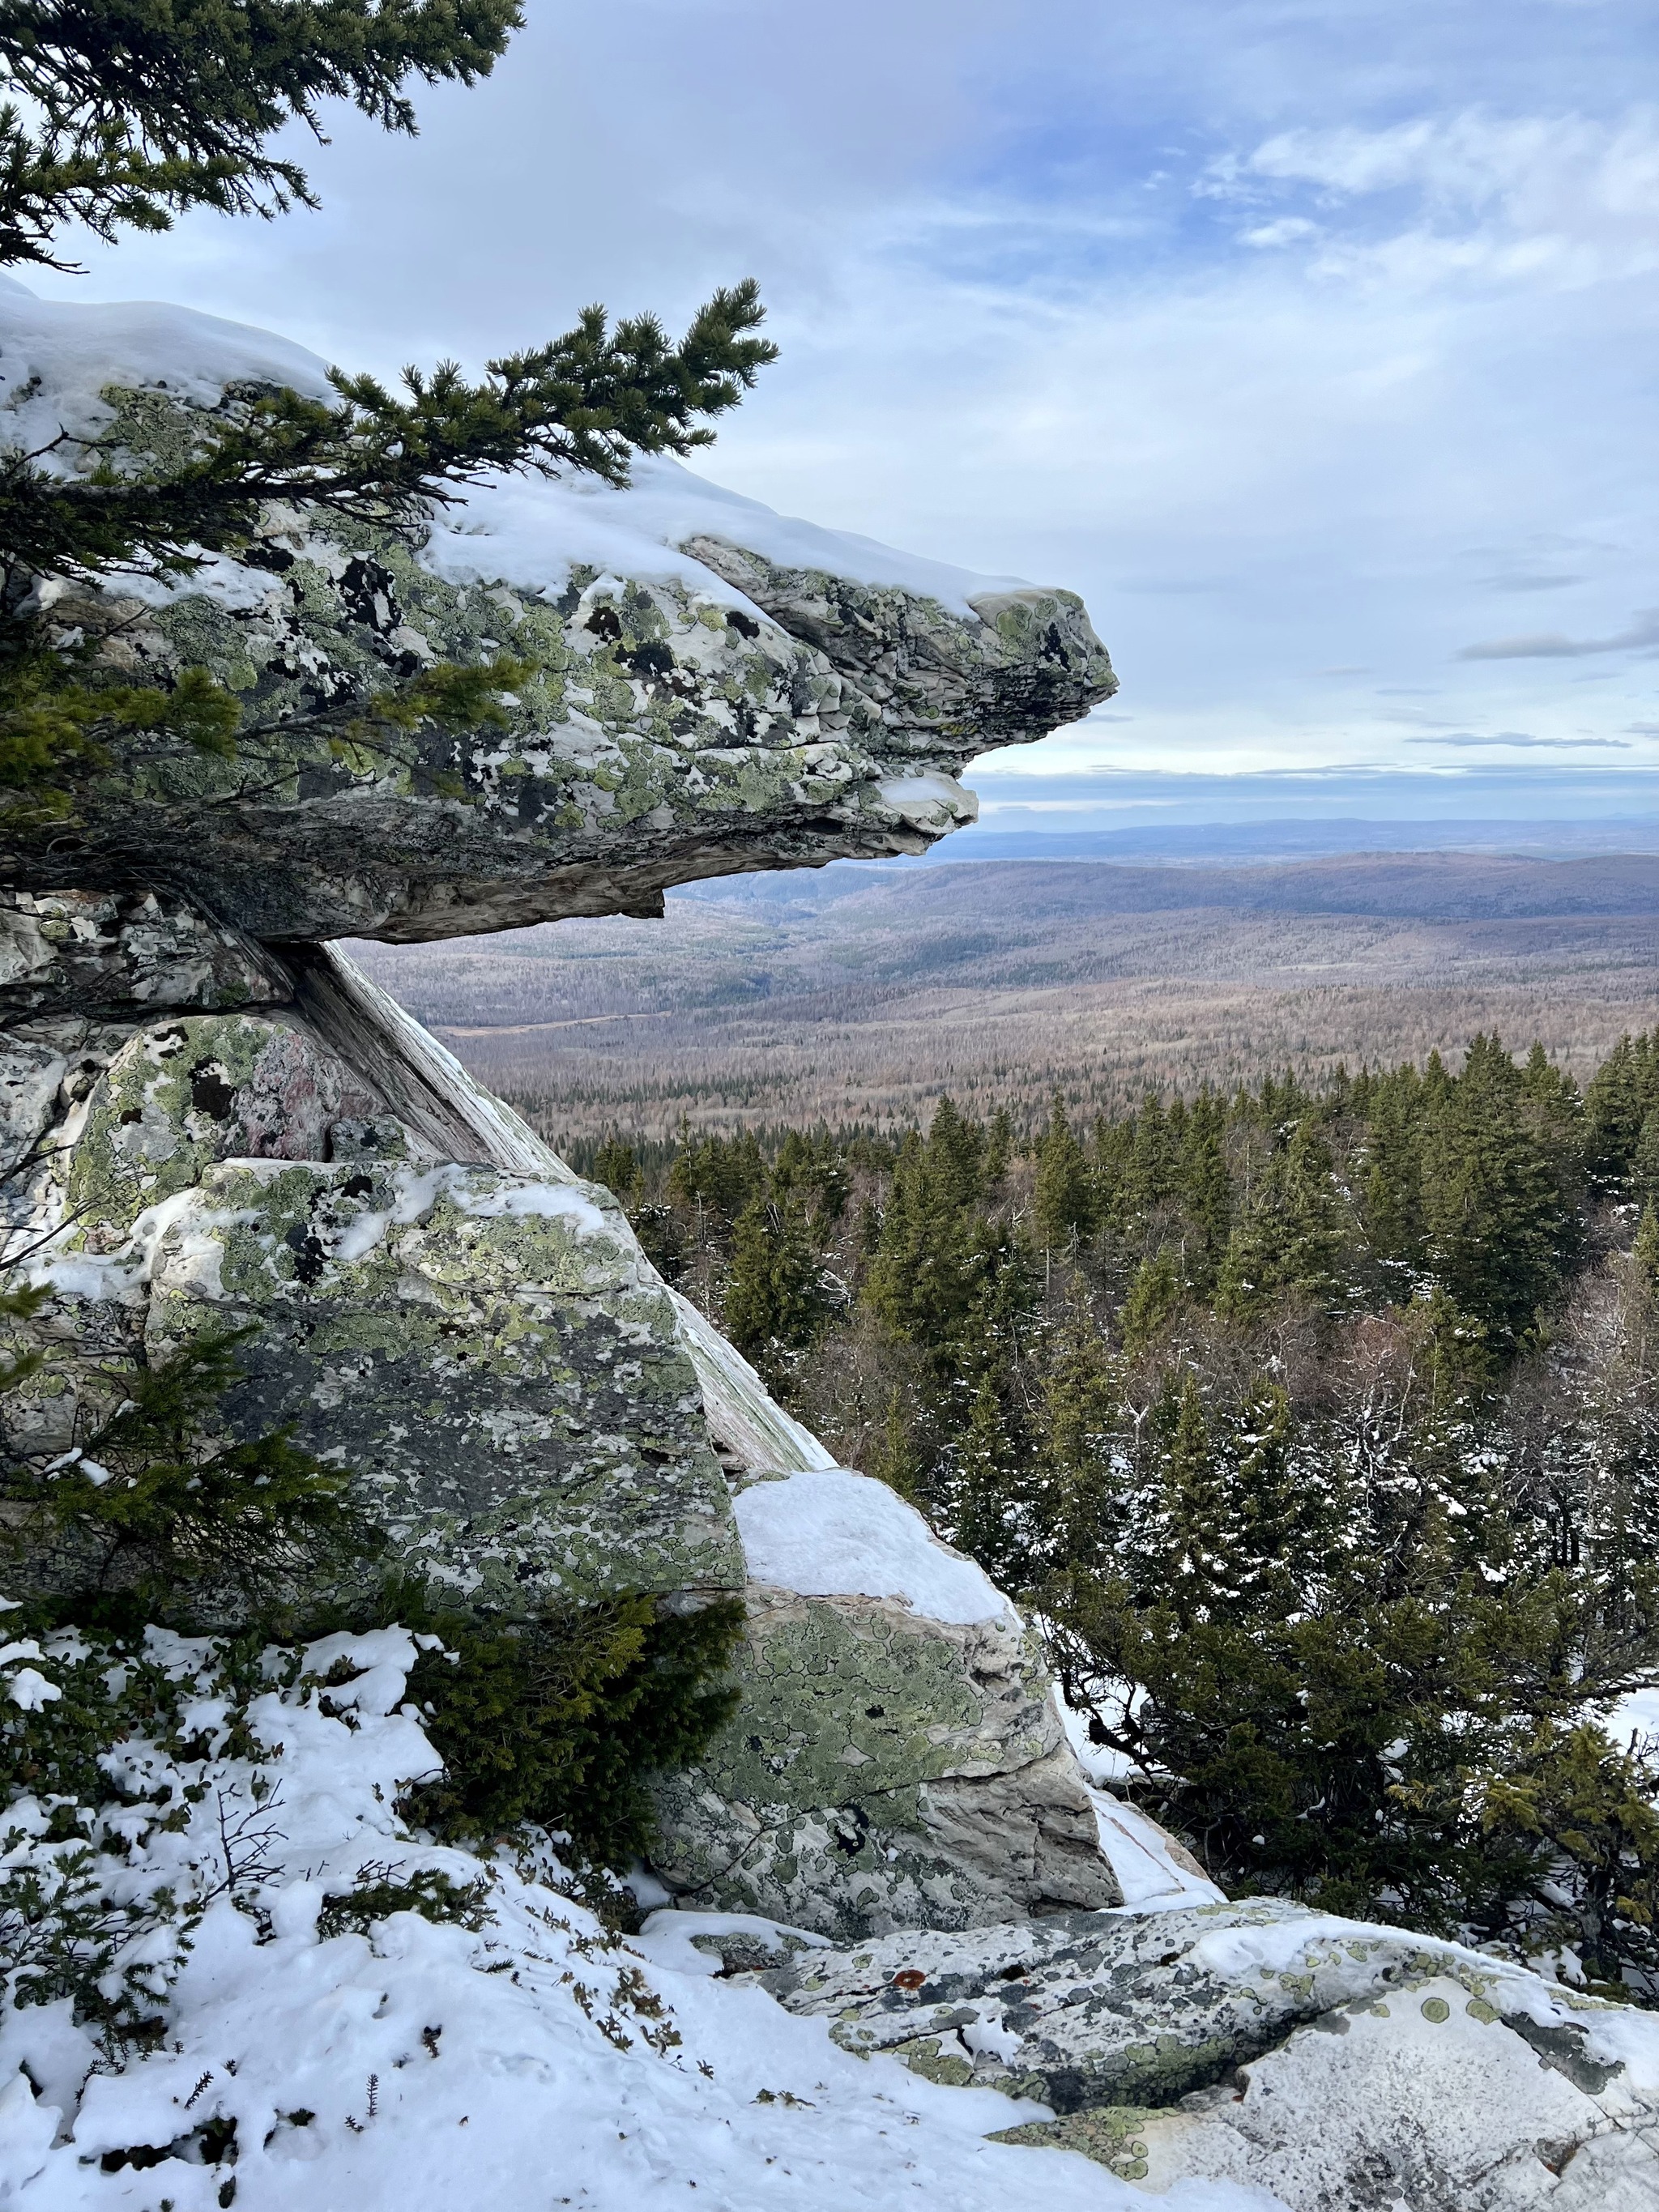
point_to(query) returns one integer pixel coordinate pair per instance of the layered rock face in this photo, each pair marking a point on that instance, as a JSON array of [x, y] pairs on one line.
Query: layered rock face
[[708, 687], [219, 1121]]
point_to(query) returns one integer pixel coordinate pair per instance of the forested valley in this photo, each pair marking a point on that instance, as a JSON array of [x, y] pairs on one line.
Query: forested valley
[[1316, 1427]]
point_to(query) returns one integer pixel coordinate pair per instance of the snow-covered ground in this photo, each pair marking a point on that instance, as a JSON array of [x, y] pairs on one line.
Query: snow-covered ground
[[532, 2061]]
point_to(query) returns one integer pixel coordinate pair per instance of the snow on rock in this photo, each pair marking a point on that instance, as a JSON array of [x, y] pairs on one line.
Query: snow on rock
[[504, 529], [706, 1943], [412, 2065], [57, 358], [1153, 1871], [830, 1533], [1337, 2063]]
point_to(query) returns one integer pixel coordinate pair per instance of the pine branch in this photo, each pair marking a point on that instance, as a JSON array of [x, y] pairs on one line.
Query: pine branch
[[148, 107], [585, 401]]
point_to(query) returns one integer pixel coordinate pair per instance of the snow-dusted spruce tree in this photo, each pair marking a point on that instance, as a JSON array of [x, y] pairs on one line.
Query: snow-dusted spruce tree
[[129, 111]]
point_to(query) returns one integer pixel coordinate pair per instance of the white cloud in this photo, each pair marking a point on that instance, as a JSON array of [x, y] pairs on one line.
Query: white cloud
[[1566, 200], [1289, 230], [1517, 740]]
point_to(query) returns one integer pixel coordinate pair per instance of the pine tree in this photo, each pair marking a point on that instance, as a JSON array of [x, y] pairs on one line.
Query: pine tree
[[1392, 1200], [1149, 1172], [935, 1260], [1617, 1103], [985, 1495], [1498, 1220], [777, 1299], [1112, 1144], [165, 1517], [1205, 1187], [1065, 1193], [1198, 1569], [956, 1152], [1064, 1201], [1085, 1507], [1291, 1236], [137, 109], [1644, 1163], [617, 1165], [1154, 1297], [1281, 1510], [999, 1151]]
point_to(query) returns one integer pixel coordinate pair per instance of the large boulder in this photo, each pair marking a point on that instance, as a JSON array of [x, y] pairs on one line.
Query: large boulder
[[214, 1121], [1337, 2065], [711, 687], [211, 1136]]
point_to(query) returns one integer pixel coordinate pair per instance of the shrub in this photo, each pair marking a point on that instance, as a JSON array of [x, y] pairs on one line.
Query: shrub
[[561, 1719], [156, 1520]]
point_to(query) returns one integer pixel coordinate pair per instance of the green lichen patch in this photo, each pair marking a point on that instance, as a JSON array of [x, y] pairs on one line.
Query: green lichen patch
[[935, 2061], [185, 1094], [1113, 2136], [481, 1350]]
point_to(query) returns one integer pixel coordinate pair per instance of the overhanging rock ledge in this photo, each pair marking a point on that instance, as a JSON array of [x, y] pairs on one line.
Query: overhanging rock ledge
[[227, 1122]]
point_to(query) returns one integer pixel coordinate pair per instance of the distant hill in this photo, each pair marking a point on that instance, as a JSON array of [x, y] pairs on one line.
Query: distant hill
[[859, 992], [1205, 843]]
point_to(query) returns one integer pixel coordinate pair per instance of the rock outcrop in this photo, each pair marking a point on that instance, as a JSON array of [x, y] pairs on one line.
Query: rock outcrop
[[1337, 2065], [217, 1121], [439, 1304], [709, 687], [211, 1117]]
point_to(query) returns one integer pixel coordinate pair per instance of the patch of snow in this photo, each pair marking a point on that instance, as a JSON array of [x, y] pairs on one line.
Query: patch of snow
[[532, 2064], [528, 530], [1103, 1765], [830, 1533], [57, 358], [541, 1201], [29, 1688], [1636, 1717], [1150, 1879], [666, 1938]]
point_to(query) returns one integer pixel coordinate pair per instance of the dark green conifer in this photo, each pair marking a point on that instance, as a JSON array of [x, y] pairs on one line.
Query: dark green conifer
[[1499, 1224], [1205, 1187], [1064, 1200], [777, 1296], [1289, 1238]]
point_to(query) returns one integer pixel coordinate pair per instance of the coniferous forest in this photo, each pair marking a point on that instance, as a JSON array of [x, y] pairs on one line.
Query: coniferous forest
[[1317, 1428]]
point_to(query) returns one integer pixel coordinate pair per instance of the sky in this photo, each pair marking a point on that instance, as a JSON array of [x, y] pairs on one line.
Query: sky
[[1314, 342]]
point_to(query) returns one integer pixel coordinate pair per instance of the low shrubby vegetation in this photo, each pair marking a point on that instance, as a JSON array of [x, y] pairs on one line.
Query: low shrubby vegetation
[[1318, 1426], [169, 1580]]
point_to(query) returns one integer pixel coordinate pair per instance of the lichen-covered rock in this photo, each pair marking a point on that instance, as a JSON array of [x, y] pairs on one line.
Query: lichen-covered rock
[[438, 1304], [80, 954], [885, 1769], [1335, 2064], [771, 697], [212, 1123], [485, 1350]]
